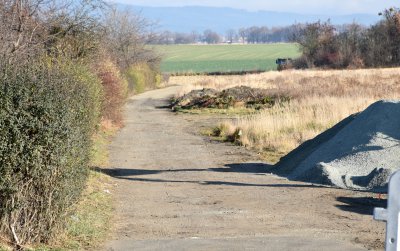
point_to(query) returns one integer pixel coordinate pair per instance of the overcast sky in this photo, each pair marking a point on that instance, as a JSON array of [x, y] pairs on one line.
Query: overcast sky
[[297, 6]]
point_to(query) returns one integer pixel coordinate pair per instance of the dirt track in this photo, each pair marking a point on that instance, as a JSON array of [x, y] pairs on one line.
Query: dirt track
[[176, 190]]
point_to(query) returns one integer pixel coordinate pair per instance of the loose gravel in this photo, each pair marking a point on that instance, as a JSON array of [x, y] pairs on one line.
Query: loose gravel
[[360, 153]]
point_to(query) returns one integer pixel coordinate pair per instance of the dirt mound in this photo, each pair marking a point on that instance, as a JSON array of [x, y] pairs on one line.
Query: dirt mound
[[361, 152], [241, 96]]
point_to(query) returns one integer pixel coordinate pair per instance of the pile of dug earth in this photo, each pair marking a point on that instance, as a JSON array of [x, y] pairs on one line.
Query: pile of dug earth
[[241, 96], [360, 152]]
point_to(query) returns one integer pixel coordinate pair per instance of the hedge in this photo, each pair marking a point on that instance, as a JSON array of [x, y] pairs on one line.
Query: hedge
[[142, 77], [48, 113]]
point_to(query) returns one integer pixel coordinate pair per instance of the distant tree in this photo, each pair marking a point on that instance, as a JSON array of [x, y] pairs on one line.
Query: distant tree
[[211, 37], [195, 36], [243, 32], [380, 44], [126, 36], [392, 25], [183, 38], [263, 34], [350, 39], [375, 47], [318, 44], [165, 37], [253, 35], [281, 34], [231, 35]]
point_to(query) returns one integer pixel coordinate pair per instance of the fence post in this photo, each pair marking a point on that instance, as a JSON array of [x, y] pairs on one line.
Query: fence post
[[391, 214]]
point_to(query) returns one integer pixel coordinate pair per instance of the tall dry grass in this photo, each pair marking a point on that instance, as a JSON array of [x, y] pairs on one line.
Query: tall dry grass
[[320, 99], [283, 127], [337, 82]]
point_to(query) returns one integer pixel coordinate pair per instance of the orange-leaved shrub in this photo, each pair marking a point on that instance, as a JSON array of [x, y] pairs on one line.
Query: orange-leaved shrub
[[115, 89]]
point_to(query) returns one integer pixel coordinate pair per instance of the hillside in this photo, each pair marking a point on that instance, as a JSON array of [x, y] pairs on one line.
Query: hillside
[[196, 18]]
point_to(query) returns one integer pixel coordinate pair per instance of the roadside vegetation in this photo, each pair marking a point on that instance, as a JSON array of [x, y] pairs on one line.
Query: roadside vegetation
[[66, 71]]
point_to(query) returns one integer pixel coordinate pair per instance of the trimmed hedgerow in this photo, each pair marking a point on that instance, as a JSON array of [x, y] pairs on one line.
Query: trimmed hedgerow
[[48, 113], [142, 77]]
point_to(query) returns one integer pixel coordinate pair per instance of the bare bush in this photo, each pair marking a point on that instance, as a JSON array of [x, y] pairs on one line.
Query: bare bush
[[31, 27], [322, 45], [318, 44], [126, 38]]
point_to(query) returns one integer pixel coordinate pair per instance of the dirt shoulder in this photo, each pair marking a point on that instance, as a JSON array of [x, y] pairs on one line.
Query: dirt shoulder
[[175, 188]]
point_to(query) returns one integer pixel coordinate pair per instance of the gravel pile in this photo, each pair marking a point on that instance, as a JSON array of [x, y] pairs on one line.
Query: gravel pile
[[361, 152]]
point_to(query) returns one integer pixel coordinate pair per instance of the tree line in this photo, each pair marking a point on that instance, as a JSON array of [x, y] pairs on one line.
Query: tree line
[[254, 35], [351, 46]]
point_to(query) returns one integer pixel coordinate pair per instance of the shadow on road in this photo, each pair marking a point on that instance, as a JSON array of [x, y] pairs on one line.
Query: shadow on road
[[222, 183], [244, 168], [125, 172], [256, 168], [360, 205], [250, 168]]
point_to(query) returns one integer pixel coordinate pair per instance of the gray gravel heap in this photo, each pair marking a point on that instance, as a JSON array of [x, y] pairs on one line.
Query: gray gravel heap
[[361, 152]]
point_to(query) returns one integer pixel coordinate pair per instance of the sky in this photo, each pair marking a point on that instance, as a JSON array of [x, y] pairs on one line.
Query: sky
[[332, 7]]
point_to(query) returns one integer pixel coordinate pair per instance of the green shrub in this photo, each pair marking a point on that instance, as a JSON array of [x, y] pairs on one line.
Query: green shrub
[[142, 77], [136, 80], [48, 112], [158, 80]]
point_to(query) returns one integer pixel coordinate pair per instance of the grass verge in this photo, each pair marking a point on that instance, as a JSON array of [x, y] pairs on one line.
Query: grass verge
[[89, 226]]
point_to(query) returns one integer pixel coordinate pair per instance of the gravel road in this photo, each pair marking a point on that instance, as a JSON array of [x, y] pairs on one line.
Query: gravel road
[[177, 190]]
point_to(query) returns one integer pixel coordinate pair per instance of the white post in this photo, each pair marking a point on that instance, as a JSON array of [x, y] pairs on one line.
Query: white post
[[391, 214]]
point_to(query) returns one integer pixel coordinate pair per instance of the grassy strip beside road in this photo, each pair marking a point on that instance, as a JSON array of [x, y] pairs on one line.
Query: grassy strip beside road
[[90, 224], [224, 58]]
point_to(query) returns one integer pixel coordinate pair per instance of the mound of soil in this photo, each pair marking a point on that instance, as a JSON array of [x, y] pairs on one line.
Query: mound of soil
[[361, 152], [241, 96]]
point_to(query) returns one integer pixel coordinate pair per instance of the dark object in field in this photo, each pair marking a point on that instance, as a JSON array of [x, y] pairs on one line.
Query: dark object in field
[[283, 63], [241, 96]]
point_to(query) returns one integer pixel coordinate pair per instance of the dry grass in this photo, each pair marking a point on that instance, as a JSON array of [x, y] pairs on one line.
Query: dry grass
[[282, 128], [320, 99], [336, 82]]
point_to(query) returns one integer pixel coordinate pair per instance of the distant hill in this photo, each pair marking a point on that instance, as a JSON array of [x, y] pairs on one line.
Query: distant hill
[[196, 18]]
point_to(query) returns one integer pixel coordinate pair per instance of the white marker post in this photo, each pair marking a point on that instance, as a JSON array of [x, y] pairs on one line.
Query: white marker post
[[391, 214]]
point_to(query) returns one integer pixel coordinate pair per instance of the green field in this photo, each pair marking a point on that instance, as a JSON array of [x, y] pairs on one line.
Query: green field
[[223, 58]]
